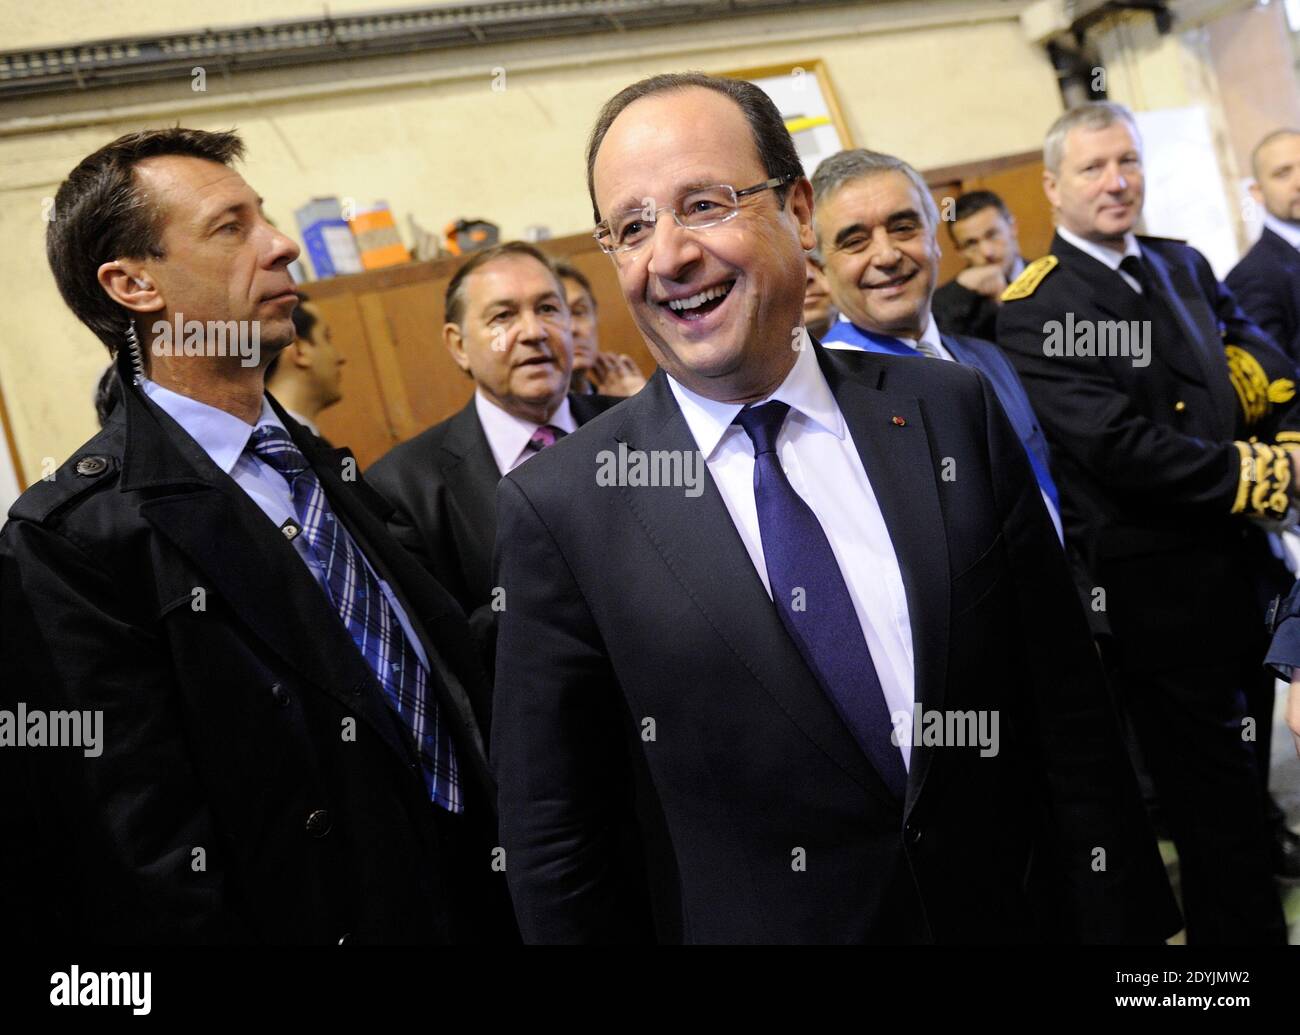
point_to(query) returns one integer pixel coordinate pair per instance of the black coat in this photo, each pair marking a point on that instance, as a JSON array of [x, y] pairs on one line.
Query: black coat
[[1266, 282], [442, 487], [229, 803], [640, 650], [1149, 459]]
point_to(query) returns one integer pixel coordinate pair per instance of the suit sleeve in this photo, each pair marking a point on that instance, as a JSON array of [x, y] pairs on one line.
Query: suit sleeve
[[1115, 889], [954, 308], [1090, 417], [1261, 301], [124, 823], [558, 746]]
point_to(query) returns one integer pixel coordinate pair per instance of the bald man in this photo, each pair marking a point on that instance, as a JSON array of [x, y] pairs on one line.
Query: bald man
[[1267, 280]]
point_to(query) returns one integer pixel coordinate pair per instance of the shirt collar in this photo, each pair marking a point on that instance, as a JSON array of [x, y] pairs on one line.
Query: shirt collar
[[848, 335], [507, 434], [804, 390], [1289, 232], [221, 435], [1103, 255]]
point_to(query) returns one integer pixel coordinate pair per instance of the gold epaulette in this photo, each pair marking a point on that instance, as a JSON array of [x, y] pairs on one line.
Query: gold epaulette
[[1030, 277], [1255, 392], [1288, 437], [1263, 480]]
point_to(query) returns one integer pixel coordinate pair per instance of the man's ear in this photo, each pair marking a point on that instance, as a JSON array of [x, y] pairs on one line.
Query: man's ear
[[455, 342], [1256, 193], [1049, 188], [129, 286], [801, 207]]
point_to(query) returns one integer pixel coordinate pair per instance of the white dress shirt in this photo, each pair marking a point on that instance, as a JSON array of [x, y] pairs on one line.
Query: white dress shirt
[[823, 466], [223, 436], [1107, 255], [1289, 232], [508, 435]]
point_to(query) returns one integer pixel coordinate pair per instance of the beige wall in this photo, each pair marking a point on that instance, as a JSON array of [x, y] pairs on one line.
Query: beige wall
[[939, 83]]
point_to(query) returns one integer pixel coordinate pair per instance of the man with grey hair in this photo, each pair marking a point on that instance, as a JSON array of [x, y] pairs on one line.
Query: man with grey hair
[[1267, 280], [877, 226], [1163, 405]]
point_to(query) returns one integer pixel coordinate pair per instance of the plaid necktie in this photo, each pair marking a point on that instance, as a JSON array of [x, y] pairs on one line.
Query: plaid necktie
[[926, 349], [545, 435], [354, 591]]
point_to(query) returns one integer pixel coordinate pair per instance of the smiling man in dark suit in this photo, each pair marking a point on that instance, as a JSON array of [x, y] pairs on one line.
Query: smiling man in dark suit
[[289, 753], [508, 328], [733, 602], [1267, 279]]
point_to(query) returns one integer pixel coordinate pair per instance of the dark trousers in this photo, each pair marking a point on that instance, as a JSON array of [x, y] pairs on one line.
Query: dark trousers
[[1190, 727]]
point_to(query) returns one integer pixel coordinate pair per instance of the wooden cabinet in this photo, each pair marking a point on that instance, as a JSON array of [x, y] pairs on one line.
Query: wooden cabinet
[[399, 378]]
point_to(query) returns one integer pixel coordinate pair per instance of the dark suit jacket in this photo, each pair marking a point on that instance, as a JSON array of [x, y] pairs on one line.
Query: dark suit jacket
[[1145, 456], [958, 310], [639, 647], [442, 487], [229, 803], [1266, 283]]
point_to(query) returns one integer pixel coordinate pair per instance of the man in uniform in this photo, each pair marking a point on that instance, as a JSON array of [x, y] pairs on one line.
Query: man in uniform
[[1163, 406]]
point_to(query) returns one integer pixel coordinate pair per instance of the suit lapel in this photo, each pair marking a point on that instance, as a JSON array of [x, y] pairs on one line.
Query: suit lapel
[[1200, 330], [903, 476], [1109, 292], [700, 545], [225, 537], [470, 472]]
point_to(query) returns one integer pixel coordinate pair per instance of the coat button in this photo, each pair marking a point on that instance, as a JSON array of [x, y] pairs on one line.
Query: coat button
[[318, 823], [913, 835], [1179, 406], [346, 939], [89, 466], [280, 695]]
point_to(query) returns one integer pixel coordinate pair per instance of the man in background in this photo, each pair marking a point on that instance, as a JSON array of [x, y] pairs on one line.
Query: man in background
[[819, 313], [1267, 279], [305, 377], [984, 232], [594, 372], [508, 328]]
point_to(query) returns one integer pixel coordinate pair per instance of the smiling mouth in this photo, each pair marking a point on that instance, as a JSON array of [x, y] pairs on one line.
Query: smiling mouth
[[700, 304], [892, 282]]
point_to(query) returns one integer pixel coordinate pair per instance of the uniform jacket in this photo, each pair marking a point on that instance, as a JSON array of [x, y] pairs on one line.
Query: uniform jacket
[[1159, 464]]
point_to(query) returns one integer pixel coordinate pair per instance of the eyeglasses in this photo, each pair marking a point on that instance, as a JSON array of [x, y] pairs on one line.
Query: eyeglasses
[[697, 209]]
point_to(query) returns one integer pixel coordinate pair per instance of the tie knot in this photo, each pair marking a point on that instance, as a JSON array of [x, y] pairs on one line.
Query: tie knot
[[545, 435], [274, 446], [762, 424], [1132, 265]]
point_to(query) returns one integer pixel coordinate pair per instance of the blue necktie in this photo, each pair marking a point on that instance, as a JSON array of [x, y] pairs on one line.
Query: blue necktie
[[825, 628], [354, 591]]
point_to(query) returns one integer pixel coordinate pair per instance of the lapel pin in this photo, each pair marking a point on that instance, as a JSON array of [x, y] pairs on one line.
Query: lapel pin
[[899, 421], [290, 528]]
